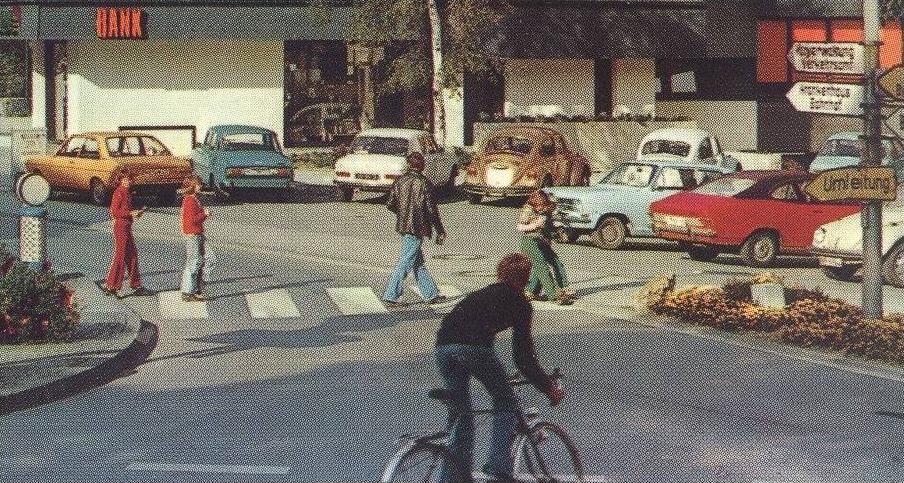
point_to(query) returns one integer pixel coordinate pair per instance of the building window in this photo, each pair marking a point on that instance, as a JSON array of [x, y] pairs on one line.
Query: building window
[[706, 79]]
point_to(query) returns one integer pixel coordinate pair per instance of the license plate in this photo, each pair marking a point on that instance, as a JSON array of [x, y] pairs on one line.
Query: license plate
[[260, 172], [831, 262]]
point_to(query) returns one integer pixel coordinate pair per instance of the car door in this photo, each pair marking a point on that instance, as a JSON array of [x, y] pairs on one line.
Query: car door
[[55, 168], [564, 163], [86, 166]]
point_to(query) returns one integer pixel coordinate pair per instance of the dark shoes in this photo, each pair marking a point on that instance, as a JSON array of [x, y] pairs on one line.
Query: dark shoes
[[438, 300], [107, 290], [142, 292], [392, 304], [193, 297]]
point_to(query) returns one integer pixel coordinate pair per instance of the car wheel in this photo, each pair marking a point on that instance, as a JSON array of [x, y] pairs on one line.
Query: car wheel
[[344, 194], [702, 253], [760, 250], [100, 194], [474, 198], [610, 234], [893, 266], [845, 273], [566, 235], [218, 191]]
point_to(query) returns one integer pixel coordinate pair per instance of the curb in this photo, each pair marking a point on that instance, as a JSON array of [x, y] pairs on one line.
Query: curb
[[125, 360]]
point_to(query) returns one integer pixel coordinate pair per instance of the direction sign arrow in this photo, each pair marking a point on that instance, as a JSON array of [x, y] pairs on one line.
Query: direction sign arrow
[[854, 183], [827, 57], [891, 82], [825, 98]]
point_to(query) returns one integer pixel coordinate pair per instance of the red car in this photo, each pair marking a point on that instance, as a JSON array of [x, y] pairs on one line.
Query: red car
[[757, 214]]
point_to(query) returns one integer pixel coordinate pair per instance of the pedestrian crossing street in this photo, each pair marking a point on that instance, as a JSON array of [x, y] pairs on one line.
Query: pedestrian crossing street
[[281, 303]]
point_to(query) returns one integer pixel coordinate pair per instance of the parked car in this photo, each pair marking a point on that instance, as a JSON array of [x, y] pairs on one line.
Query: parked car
[[377, 158], [687, 145], [619, 205], [758, 214], [844, 149], [839, 246], [324, 122], [516, 161], [90, 162], [238, 157]]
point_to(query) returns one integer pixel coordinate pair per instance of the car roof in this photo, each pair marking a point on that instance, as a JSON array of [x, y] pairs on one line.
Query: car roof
[[765, 181], [393, 132], [694, 135], [228, 129], [109, 134]]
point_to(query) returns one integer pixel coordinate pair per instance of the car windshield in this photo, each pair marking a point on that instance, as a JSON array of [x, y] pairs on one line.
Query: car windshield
[[841, 147], [630, 175], [725, 186], [665, 146], [509, 144], [380, 145], [249, 142]]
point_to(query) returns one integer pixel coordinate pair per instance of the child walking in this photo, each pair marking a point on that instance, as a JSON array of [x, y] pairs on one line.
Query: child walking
[[535, 226], [199, 259]]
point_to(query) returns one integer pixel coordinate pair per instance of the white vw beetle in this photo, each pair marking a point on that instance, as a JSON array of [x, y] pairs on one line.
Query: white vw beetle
[[376, 159], [688, 145], [839, 246]]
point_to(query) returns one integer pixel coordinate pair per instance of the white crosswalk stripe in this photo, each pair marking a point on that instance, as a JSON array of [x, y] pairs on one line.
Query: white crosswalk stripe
[[272, 304], [356, 300], [173, 308]]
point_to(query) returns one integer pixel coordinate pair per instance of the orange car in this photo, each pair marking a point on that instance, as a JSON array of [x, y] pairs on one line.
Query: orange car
[[90, 161], [518, 160]]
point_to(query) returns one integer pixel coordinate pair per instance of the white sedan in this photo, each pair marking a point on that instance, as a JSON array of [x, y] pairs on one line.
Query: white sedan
[[839, 246], [376, 159]]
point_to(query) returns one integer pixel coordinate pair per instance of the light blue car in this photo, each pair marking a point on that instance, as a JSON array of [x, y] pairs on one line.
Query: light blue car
[[618, 206], [238, 157], [843, 149]]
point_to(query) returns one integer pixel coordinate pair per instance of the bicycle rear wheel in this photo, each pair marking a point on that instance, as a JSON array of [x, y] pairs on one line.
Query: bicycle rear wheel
[[547, 454], [422, 463]]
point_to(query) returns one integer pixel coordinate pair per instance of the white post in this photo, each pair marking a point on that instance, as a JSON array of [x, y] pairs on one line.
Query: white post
[[439, 115]]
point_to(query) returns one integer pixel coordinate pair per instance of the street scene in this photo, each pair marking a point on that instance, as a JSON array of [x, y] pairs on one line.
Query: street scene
[[452, 241]]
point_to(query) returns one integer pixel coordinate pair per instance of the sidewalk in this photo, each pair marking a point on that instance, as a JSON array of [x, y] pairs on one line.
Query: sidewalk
[[110, 340]]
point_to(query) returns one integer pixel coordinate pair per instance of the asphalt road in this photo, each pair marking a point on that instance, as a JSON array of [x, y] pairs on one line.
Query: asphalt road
[[321, 396]]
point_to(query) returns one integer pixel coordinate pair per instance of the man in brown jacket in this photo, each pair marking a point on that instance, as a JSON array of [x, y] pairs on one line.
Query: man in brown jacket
[[411, 199]]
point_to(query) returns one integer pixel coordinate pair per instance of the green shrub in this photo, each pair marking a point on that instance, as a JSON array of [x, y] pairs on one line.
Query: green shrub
[[36, 306]]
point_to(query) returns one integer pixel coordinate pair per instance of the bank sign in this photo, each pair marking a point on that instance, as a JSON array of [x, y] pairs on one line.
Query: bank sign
[[121, 23]]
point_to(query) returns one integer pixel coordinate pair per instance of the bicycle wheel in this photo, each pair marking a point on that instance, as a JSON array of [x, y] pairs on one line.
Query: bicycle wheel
[[422, 463], [547, 454]]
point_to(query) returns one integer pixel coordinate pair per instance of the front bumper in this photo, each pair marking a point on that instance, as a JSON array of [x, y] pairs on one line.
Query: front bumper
[[836, 258], [498, 192], [377, 186], [570, 219], [686, 237]]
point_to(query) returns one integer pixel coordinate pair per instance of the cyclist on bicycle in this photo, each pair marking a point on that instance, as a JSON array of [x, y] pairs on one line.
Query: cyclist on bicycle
[[465, 349]]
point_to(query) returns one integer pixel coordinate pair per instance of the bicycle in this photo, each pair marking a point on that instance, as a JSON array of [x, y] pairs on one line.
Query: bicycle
[[536, 455]]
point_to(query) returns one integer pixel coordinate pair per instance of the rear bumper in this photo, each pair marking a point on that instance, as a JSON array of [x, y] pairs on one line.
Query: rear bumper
[[256, 182], [688, 237], [144, 188], [508, 191], [380, 187]]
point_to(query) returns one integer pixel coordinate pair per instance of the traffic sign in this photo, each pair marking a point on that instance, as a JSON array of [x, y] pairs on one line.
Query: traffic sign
[[891, 82], [827, 57], [825, 98], [855, 183]]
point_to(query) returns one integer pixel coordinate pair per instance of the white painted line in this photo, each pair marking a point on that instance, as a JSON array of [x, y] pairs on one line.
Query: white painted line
[[194, 468], [528, 477], [173, 308], [450, 291], [272, 304], [356, 300]]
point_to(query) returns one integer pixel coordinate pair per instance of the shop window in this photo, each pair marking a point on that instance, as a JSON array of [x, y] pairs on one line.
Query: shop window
[[707, 79], [684, 82]]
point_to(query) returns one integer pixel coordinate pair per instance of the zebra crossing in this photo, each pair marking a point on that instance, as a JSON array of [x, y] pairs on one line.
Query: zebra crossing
[[283, 303]]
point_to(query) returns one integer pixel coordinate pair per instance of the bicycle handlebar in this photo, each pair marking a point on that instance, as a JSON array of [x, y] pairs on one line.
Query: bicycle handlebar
[[517, 379]]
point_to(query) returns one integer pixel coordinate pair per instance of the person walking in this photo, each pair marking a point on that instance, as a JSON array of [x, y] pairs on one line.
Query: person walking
[[199, 260], [125, 255], [535, 226], [464, 349], [411, 199]]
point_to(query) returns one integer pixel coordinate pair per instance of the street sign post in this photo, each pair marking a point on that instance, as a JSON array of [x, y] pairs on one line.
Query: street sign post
[[843, 58], [825, 98], [855, 183], [891, 82]]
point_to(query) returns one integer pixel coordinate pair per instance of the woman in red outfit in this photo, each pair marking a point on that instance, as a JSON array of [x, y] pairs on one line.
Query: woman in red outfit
[[125, 256]]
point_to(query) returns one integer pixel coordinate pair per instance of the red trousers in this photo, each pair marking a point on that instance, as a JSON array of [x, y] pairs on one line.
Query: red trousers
[[125, 257]]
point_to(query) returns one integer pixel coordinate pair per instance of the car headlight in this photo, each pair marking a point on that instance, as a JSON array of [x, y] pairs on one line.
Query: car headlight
[[819, 236]]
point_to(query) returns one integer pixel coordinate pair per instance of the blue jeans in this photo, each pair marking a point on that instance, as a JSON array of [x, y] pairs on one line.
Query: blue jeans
[[199, 263], [457, 363], [411, 259]]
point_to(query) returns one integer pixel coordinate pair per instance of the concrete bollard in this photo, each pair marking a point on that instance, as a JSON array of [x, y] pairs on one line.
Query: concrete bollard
[[768, 295]]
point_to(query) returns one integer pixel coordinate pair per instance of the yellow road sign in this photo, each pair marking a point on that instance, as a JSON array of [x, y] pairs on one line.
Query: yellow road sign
[[854, 183], [891, 82]]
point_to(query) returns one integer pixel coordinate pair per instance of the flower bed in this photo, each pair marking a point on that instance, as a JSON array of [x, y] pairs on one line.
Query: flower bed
[[811, 319], [35, 305]]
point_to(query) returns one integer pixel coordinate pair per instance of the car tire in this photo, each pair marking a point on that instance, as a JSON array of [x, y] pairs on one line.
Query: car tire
[[702, 253], [610, 234], [893, 266], [844, 274], [760, 249], [344, 194], [218, 191], [566, 235], [474, 198], [99, 193]]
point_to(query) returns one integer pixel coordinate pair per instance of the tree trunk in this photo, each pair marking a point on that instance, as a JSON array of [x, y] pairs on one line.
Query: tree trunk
[[439, 115]]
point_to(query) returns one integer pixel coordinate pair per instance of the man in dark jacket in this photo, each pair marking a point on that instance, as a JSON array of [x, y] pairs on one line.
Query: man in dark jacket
[[411, 199], [465, 348]]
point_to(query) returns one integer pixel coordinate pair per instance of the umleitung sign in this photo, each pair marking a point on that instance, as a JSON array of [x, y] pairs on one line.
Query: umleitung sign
[[855, 183], [120, 23]]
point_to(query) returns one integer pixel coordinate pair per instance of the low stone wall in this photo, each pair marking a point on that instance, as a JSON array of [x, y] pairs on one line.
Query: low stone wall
[[603, 143]]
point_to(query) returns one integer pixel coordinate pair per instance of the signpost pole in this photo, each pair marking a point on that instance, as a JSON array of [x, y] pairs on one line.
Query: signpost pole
[[871, 216]]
